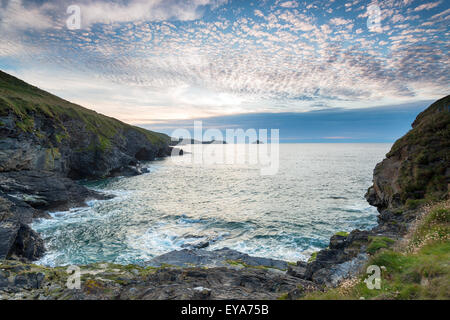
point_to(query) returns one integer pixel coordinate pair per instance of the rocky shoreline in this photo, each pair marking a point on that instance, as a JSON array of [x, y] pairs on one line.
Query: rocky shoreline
[[40, 157]]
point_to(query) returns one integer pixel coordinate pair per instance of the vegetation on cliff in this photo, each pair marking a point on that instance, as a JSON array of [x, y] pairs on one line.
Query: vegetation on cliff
[[415, 268], [416, 170], [57, 135], [26, 101]]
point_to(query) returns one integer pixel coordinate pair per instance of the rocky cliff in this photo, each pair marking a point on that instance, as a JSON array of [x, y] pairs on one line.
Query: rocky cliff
[[40, 131], [416, 169], [45, 142]]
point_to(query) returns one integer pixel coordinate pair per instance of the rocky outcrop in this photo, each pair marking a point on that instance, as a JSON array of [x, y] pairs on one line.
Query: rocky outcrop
[[25, 195], [417, 167], [44, 190], [17, 239], [216, 258]]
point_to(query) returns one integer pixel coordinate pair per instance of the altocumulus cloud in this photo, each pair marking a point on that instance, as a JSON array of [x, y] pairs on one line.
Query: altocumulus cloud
[[177, 59]]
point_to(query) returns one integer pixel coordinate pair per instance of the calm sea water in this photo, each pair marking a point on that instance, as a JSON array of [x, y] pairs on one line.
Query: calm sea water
[[318, 190]]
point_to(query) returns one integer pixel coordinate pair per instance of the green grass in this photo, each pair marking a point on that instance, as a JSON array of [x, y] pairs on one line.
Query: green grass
[[240, 263], [377, 243], [313, 257], [435, 227], [284, 296], [341, 233], [420, 270], [415, 203], [422, 275]]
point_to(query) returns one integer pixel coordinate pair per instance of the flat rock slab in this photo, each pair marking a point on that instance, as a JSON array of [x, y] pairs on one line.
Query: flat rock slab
[[218, 258]]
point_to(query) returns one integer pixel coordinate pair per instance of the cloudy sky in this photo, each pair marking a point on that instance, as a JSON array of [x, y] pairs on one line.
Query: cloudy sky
[[158, 61]]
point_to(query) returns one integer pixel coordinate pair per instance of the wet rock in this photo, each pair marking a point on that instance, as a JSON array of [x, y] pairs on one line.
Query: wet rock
[[358, 236], [16, 237], [28, 244], [41, 214], [31, 280], [332, 275], [45, 190], [343, 258], [297, 271], [4, 279], [337, 241], [196, 245], [128, 171], [201, 293], [8, 234]]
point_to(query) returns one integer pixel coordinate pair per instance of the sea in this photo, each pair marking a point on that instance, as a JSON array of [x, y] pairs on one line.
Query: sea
[[181, 203]]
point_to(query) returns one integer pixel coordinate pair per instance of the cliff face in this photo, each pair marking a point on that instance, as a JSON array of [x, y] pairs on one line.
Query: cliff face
[[39, 131], [417, 167]]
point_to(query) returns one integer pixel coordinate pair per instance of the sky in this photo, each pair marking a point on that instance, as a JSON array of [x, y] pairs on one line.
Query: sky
[[294, 64]]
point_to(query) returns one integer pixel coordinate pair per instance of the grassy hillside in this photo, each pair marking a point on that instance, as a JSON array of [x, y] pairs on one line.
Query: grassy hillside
[[25, 101], [415, 268]]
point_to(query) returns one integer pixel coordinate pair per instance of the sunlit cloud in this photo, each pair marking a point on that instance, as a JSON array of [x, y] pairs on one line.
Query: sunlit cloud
[[159, 60]]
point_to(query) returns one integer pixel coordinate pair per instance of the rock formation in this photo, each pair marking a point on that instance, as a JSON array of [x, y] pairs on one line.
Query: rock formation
[[40, 131]]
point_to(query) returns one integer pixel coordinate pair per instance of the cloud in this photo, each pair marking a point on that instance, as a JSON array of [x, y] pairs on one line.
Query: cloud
[[442, 14], [340, 21], [14, 17], [170, 63], [427, 6], [18, 16], [289, 4], [149, 10]]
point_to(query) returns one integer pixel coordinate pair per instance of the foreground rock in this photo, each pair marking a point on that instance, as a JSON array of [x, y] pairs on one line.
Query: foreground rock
[[17, 239], [108, 281]]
